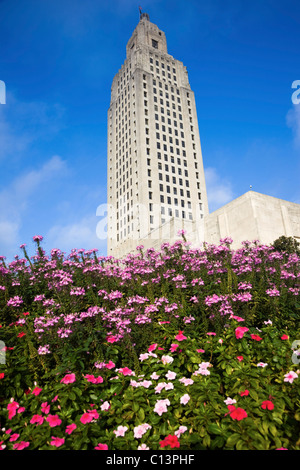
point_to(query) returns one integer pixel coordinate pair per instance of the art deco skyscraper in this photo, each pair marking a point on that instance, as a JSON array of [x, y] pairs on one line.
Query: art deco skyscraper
[[156, 183]]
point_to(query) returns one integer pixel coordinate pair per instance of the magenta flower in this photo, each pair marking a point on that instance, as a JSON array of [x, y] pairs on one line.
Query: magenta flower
[[57, 441], [68, 379], [93, 379], [101, 446], [37, 419], [45, 408], [240, 331], [21, 445], [36, 391], [180, 336], [267, 404], [126, 371], [89, 416], [53, 420], [70, 428]]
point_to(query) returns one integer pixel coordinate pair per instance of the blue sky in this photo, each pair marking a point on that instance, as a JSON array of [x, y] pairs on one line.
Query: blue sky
[[58, 59]]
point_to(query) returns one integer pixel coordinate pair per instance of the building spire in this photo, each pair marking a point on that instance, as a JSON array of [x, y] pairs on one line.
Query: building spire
[[143, 15]]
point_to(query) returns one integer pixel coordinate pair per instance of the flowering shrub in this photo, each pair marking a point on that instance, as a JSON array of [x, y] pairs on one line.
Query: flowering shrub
[[182, 348]]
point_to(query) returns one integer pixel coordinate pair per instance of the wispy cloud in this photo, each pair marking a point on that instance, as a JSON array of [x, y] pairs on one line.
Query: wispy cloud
[[18, 195], [219, 190], [78, 234]]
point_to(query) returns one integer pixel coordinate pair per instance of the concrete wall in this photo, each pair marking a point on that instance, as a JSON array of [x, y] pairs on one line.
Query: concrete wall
[[253, 216]]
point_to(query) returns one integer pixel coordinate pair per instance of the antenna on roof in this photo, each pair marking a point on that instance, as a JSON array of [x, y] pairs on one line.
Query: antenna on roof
[[250, 187], [140, 10]]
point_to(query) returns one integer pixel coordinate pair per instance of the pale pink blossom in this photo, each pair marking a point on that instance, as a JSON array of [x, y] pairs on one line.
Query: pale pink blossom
[[105, 406], [290, 376], [185, 398], [161, 406], [171, 375], [180, 431], [140, 430], [120, 431]]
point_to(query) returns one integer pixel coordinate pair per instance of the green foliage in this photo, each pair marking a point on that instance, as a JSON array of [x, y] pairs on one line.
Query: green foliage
[[99, 344]]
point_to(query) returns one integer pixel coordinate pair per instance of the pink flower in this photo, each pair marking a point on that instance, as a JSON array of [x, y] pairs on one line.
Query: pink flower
[[166, 359], [180, 431], [109, 365], [229, 401], [210, 333], [161, 406], [12, 409], [256, 337], [284, 337], [68, 379], [180, 336], [70, 428], [37, 419], [184, 399], [171, 375], [143, 447], [57, 441], [21, 445], [240, 358], [45, 408], [173, 347], [105, 406], [237, 413], [290, 376], [36, 391], [125, 371], [267, 404], [200, 350], [245, 393], [89, 416], [152, 347], [101, 446], [93, 379], [120, 431], [53, 420], [14, 437], [111, 339], [140, 430], [240, 331]]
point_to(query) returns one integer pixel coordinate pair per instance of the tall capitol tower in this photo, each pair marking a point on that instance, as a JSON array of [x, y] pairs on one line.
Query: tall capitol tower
[[156, 184]]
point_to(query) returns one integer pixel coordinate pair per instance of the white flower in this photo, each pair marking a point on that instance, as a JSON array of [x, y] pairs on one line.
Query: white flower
[[229, 401]]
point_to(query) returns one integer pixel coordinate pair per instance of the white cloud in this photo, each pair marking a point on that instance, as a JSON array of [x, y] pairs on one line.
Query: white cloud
[[78, 234], [219, 191], [293, 121], [15, 198]]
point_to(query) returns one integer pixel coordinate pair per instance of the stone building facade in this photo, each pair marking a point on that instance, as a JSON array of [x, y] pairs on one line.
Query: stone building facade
[[156, 183]]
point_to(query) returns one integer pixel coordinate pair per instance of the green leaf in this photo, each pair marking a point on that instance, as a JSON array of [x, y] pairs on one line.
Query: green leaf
[[135, 407], [213, 428], [232, 440], [253, 394], [273, 429]]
